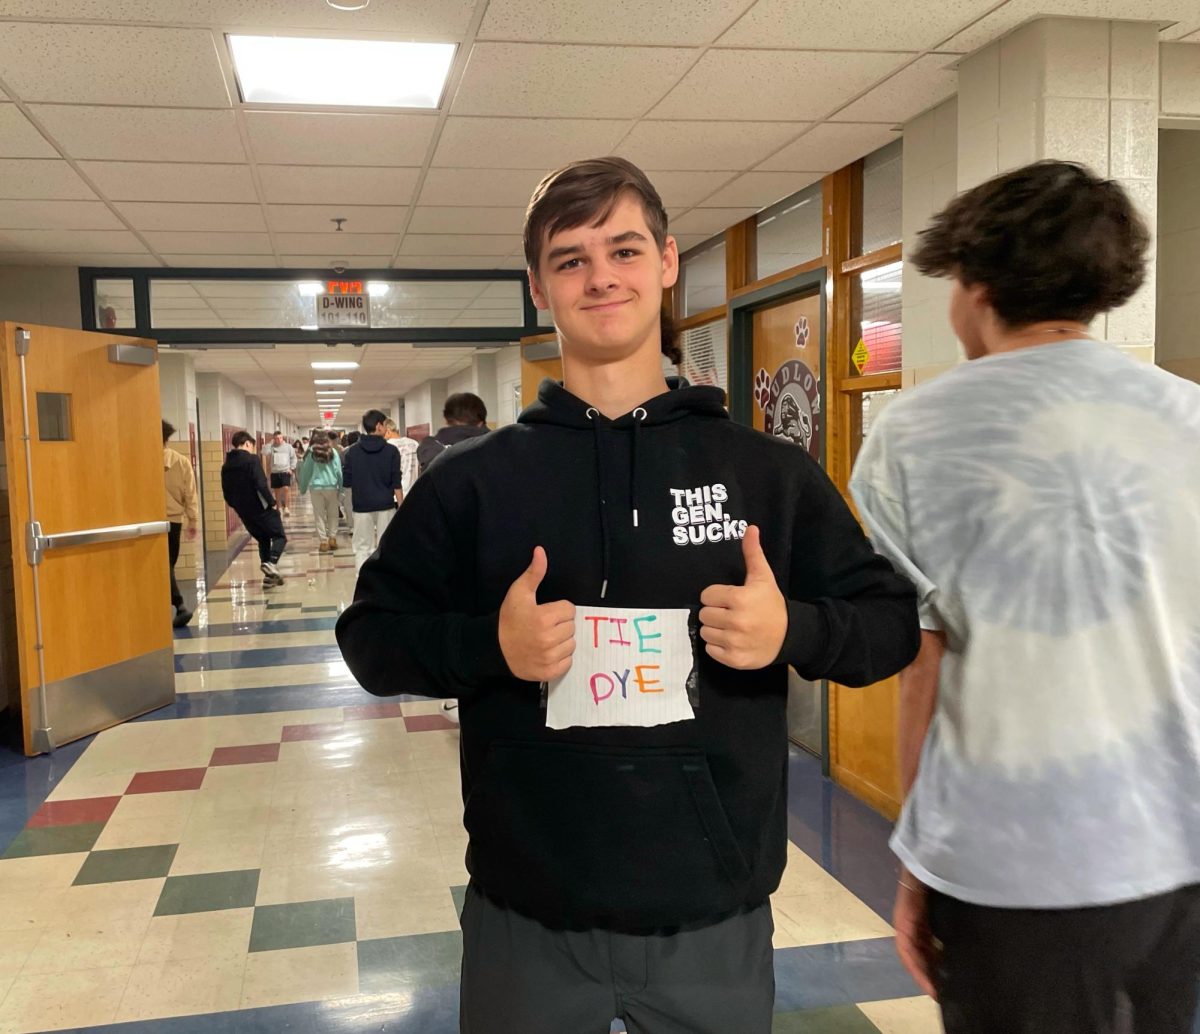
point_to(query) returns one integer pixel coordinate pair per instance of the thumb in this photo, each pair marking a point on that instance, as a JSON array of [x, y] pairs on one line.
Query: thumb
[[535, 572], [757, 567]]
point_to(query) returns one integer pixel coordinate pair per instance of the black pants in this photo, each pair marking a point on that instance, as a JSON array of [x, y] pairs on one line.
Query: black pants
[[266, 529], [1107, 970], [173, 536], [519, 976]]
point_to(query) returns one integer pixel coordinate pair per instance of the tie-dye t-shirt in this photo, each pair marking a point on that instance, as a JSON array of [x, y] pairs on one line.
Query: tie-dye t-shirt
[[1046, 503]]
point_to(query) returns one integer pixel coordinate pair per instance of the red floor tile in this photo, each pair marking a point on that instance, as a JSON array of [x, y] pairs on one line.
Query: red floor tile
[[427, 722], [248, 755], [171, 779], [73, 813], [316, 731], [365, 711]]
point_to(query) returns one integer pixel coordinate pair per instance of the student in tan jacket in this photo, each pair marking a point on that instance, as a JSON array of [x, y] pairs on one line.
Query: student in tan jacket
[[181, 503]]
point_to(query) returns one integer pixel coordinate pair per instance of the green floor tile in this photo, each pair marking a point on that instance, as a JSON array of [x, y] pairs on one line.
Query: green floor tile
[[54, 840], [839, 1019], [127, 863], [460, 895], [208, 892], [402, 964], [303, 924]]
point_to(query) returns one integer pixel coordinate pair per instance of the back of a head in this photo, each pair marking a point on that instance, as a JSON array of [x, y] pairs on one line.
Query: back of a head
[[1048, 241], [371, 420], [168, 429], [240, 438], [465, 408], [352, 438], [584, 193]]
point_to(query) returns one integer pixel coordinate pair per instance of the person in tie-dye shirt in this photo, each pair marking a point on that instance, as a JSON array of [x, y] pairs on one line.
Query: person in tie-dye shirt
[[1045, 499]]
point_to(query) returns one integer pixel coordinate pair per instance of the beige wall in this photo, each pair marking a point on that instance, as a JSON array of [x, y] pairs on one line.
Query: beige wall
[[1179, 252], [48, 295]]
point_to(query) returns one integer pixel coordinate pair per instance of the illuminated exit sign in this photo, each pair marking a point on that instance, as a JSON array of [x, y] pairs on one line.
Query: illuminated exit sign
[[344, 287]]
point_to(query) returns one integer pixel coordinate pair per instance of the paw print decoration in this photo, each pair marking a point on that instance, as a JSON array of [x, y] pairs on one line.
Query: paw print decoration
[[801, 332], [762, 388]]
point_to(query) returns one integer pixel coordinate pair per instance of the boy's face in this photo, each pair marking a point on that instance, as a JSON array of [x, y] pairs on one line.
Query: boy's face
[[604, 284]]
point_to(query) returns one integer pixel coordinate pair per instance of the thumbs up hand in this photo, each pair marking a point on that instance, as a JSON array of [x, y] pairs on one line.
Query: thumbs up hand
[[744, 625], [537, 640]]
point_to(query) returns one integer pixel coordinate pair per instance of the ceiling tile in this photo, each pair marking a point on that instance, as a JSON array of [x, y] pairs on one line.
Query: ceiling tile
[[766, 85], [76, 258], [337, 244], [684, 189], [337, 185], [114, 241], [457, 244], [370, 219], [690, 240], [325, 261], [502, 187], [197, 243], [924, 83], [705, 146], [828, 147], [760, 189], [630, 22], [543, 80], [57, 215], [19, 138], [709, 221], [339, 138], [870, 24], [524, 143], [438, 219], [143, 134], [103, 64], [41, 178], [456, 262], [160, 215], [169, 181]]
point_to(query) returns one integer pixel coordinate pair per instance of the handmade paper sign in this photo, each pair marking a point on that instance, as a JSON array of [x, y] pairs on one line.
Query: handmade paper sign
[[631, 667]]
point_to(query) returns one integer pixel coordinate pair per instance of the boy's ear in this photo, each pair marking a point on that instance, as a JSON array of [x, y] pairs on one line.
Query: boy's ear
[[539, 299], [670, 262]]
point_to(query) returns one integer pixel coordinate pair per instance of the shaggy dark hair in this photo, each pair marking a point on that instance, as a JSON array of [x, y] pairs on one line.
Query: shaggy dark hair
[[168, 430], [585, 193], [240, 438], [1049, 241], [465, 407], [371, 420]]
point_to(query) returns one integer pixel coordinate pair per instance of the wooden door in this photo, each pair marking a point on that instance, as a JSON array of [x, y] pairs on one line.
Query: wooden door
[[786, 350], [100, 586]]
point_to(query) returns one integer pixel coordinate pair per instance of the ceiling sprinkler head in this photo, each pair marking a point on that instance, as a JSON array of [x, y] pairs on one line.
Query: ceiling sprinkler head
[[338, 223]]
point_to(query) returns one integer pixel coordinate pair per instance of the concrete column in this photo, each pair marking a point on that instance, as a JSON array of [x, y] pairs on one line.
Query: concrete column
[[1080, 90], [930, 179]]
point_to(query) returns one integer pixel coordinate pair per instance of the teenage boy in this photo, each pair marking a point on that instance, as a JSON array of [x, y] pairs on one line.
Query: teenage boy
[[182, 504], [371, 471], [621, 868], [245, 488], [466, 417], [1045, 498], [282, 458]]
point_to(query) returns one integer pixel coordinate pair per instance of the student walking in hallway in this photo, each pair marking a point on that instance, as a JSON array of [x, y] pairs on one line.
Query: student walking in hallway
[[372, 473], [321, 476], [245, 488]]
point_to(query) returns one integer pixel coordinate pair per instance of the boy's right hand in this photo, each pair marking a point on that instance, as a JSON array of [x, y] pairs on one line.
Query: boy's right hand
[[537, 640]]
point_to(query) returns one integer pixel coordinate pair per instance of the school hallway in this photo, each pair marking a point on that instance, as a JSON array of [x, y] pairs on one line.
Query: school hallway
[[281, 845]]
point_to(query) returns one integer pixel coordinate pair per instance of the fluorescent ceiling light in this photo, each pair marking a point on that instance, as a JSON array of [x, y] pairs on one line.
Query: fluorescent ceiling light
[[310, 288], [308, 326], [340, 72], [332, 380], [378, 288], [347, 365]]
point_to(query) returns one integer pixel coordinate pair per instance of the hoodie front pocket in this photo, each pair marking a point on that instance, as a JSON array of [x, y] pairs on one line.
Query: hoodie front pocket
[[633, 838]]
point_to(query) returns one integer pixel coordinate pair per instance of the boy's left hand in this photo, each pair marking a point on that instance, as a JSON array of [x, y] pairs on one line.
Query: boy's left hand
[[744, 625]]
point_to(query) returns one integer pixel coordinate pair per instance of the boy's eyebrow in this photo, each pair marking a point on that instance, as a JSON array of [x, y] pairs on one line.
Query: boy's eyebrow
[[575, 249]]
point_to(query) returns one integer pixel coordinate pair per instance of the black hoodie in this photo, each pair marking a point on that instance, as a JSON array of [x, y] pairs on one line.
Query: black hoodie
[[631, 829], [371, 470], [244, 485]]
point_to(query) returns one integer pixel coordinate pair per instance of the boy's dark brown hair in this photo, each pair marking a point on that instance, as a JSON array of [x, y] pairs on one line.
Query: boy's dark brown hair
[[1049, 241], [584, 193]]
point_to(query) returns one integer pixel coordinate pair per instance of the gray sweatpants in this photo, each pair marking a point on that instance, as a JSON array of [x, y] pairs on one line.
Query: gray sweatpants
[[518, 975]]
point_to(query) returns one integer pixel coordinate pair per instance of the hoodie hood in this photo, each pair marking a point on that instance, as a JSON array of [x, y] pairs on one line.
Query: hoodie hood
[[372, 442], [240, 458], [556, 405]]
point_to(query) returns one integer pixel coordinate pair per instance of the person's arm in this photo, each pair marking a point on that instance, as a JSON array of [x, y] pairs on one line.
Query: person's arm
[[336, 460], [397, 476], [191, 507], [850, 617], [347, 463], [406, 632], [263, 487], [918, 700]]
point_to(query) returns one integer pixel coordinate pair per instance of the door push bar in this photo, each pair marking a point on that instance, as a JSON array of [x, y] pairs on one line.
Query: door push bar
[[37, 543]]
